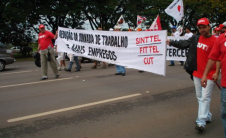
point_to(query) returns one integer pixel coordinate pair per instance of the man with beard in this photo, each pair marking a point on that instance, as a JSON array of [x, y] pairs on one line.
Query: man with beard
[[197, 57]]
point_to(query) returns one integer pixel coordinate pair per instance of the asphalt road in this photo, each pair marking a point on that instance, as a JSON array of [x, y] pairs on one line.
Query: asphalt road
[[94, 103]]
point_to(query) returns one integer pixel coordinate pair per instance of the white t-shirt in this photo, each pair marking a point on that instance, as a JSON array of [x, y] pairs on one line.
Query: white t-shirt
[[60, 54], [188, 34], [56, 42], [176, 34]]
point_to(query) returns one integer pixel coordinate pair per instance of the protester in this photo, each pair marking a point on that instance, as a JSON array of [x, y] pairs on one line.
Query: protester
[[96, 63], [73, 58], [120, 69], [176, 34], [219, 49], [46, 49], [217, 31], [61, 57], [222, 28], [188, 32], [199, 49], [80, 62]]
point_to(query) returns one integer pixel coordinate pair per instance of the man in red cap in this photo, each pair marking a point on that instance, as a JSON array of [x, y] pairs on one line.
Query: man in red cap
[[219, 49], [217, 31], [45, 47], [222, 28], [197, 57]]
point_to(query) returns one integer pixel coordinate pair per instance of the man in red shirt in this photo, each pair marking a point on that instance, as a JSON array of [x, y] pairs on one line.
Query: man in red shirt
[[222, 28], [219, 50], [199, 49], [46, 49]]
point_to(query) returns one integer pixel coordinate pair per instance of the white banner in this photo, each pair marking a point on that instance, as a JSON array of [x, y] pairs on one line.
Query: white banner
[[175, 53], [139, 50]]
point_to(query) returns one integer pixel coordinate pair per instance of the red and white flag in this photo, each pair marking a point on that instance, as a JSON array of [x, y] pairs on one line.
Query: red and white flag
[[140, 20], [180, 29], [176, 10], [121, 20], [156, 25]]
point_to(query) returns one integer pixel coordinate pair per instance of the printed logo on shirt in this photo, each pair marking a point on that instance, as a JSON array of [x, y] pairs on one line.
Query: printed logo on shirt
[[42, 36], [202, 46]]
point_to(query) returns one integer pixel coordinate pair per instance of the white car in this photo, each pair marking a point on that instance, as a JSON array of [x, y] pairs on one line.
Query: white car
[[6, 57], [16, 49]]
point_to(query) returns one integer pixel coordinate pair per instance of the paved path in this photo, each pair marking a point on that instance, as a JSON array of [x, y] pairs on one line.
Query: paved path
[[94, 103]]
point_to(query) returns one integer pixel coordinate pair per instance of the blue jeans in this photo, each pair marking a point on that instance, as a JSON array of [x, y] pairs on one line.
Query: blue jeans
[[204, 97], [223, 108], [172, 62], [120, 69], [76, 62]]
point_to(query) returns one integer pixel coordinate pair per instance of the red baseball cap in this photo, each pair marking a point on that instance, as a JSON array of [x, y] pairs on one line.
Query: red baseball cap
[[217, 29], [41, 26], [203, 21], [221, 26]]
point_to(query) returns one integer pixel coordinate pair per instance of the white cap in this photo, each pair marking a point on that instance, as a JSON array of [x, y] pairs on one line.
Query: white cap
[[111, 29], [224, 23]]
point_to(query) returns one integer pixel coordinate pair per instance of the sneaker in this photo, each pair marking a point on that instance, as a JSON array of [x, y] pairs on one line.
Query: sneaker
[[63, 68], [118, 73], [80, 67], [208, 120], [59, 68], [44, 78], [123, 74], [57, 76], [200, 128], [68, 70]]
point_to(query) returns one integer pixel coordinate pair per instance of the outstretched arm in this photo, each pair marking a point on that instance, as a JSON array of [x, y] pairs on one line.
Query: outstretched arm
[[181, 44], [56, 35]]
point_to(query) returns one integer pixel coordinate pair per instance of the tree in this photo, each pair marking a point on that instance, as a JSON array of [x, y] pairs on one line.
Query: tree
[[214, 10], [13, 25], [19, 19], [102, 13], [18, 24]]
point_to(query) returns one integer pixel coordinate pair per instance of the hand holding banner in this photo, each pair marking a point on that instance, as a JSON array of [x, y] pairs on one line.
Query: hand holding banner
[[174, 53]]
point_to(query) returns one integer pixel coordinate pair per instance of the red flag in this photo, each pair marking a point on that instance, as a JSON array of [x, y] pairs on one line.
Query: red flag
[[121, 20], [140, 19], [156, 25]]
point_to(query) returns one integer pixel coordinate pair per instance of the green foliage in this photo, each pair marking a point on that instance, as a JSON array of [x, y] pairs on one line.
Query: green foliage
[[19, 18]]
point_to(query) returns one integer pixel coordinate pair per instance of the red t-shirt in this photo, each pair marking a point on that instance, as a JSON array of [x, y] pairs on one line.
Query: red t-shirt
[[45, 40], [204, 47], [219, 50]]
